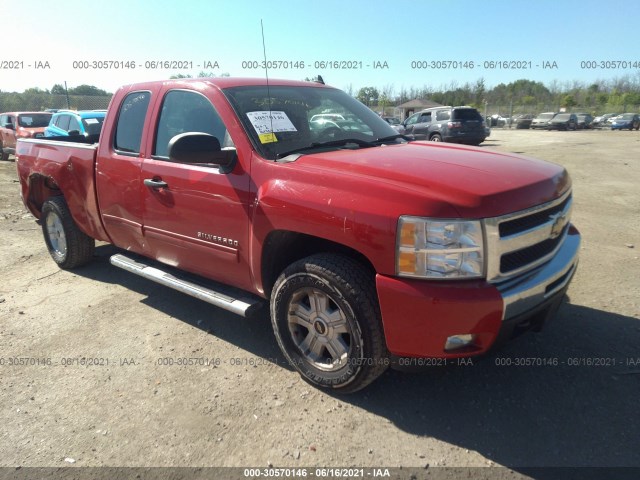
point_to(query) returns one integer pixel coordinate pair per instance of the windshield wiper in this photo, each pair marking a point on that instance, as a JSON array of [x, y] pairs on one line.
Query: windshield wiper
[[393, 137], [331, 143]]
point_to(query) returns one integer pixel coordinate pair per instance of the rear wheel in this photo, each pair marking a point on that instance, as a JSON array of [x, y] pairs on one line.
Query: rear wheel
[[69, 246], [3, 155], [326, 318], [435, 137]]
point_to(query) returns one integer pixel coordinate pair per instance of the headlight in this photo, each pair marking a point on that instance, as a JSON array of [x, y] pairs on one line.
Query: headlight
[[439, 248]]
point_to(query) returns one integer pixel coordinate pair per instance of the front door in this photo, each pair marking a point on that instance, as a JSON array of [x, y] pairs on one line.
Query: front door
[[195, 217]]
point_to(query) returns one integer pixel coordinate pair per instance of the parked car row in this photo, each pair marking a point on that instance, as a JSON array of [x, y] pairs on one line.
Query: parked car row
[[571, 121], [15, 125]]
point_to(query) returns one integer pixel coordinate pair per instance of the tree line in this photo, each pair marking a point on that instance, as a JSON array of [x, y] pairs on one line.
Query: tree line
[[623, 91]]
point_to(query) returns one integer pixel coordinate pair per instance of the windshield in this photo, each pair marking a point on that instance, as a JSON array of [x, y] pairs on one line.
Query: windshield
[[626, 116], [287, 118], [34, 120], [92, 126], [546, 116], [562, 116]]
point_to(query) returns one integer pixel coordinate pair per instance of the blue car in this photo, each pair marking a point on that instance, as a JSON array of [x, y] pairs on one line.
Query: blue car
[[87, 123], [626, 120]]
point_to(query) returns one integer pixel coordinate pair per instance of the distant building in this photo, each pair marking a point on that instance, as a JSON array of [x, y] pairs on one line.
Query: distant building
[[415, 105]]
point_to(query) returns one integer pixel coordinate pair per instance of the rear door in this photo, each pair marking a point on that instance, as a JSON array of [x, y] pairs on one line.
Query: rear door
[[198, 219]]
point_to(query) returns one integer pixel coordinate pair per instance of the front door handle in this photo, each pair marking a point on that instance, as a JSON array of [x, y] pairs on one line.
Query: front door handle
[[153, 183]]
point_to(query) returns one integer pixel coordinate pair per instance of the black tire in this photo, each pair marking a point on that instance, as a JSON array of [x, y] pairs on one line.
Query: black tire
[[435, 138], [67, 244], [326, 319], [3, 155]]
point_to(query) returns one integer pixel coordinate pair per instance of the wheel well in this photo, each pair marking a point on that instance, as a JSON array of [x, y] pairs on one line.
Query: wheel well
[[40, 189], [282, 248]]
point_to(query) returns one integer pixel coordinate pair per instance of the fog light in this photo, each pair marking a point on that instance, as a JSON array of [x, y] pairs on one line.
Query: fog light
[[459, 341]]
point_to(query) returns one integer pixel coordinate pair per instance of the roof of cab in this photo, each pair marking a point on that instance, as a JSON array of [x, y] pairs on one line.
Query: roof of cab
[[223, 82]]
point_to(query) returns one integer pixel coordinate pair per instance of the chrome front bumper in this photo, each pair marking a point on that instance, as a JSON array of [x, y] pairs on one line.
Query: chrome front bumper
[[527, 291]]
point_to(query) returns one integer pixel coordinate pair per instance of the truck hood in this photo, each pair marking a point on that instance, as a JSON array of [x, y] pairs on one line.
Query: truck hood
[[476, 182]]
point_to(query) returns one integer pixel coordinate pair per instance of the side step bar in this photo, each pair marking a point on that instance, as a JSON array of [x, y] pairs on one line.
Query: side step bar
[[240, 305]]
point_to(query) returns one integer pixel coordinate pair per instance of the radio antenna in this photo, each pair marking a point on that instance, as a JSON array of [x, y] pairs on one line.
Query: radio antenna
[[266, 73]]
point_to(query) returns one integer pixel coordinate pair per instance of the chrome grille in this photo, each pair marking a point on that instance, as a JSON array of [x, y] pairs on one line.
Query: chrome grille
[[522, 241]]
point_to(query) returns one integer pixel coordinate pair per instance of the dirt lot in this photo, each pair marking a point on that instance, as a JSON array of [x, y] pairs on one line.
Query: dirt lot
[[248, 408]]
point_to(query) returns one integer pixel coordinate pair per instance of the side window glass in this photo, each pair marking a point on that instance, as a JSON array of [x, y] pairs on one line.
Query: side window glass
[[425, 118], [412, 119], [133, 111], [63, 122], [442, 115], [74, 124], [186, 111]]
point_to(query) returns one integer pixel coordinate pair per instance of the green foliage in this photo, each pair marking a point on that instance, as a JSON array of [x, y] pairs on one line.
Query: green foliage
[[88, 90], [58, 89], [368, 95], [568, 101]]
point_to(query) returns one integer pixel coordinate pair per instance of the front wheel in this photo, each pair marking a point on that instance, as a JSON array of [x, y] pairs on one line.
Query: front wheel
[[327, 322], [69, 246]]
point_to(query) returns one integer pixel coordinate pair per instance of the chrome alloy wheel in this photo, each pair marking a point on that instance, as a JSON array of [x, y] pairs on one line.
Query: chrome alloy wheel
[[319, 329], [55, 232]]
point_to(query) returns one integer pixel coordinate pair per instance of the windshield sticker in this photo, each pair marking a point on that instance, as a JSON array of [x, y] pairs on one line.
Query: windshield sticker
[[91, 121], [270, 122], [267, 137]]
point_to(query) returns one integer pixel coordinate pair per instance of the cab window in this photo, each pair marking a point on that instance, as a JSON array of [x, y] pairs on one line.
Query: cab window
[[63, 122], [412, 119], [74, 125], [131, 115], [186, 111]]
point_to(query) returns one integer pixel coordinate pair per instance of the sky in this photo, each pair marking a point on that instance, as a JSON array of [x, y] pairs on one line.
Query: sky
[[352, 43]]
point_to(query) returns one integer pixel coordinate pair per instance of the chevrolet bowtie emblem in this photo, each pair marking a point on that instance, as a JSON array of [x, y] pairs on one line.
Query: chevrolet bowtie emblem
[[559, 222]]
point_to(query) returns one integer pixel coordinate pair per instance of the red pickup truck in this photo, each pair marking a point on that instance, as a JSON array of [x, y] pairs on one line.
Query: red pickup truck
[[367, 246]]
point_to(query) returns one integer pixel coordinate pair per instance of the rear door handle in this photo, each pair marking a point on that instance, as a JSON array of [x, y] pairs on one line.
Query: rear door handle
[[150, 182]]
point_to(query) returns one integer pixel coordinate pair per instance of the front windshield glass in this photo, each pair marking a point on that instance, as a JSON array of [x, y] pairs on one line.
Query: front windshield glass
[[562, 116], [626, 116], [546, 116], [282, 119]]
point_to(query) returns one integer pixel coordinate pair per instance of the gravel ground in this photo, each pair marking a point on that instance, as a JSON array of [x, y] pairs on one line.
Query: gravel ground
[[125, 405]]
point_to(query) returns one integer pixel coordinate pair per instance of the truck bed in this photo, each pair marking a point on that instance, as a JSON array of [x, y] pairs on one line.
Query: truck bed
[[50, 167]]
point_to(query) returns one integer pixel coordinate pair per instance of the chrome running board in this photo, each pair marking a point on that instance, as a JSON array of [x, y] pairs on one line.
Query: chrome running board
[[232, 300]]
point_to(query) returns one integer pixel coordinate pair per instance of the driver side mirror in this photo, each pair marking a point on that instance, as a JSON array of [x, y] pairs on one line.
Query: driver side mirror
[[10, 126], [201, 148]]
